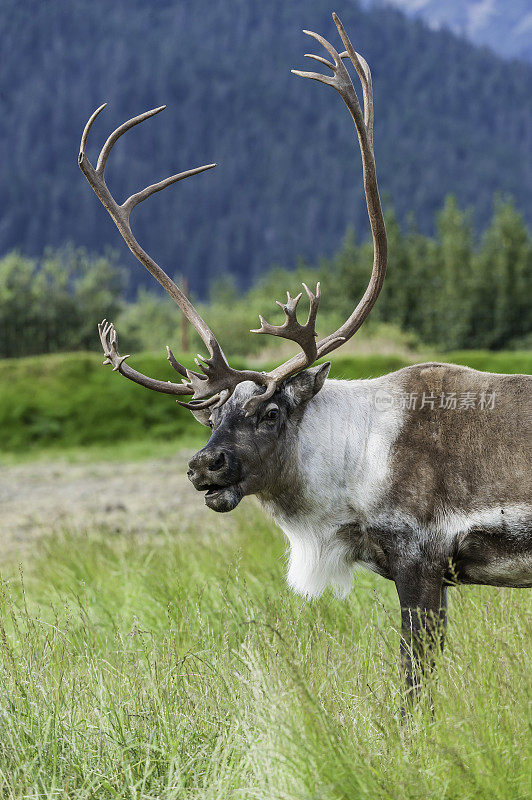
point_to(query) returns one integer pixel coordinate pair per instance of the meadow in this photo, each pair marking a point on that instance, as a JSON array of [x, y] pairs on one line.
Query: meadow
[[181, 666], [176, 663]]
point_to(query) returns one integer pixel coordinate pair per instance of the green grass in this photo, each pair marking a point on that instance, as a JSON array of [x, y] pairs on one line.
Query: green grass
[[487, 361], [70, 402], [180, 666]]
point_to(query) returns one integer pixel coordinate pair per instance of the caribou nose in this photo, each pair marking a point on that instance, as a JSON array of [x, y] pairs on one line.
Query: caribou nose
[[217, 461], [206, 461]]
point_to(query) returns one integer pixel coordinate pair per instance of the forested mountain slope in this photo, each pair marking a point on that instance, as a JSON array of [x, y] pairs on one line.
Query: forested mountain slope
[[504, 26], [448, 118]]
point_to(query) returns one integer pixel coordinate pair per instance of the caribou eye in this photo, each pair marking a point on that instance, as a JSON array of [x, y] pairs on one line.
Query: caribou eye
[[210, 424], [271, 414]]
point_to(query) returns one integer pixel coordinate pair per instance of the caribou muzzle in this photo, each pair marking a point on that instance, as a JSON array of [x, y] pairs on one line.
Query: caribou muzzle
[[215, 470]]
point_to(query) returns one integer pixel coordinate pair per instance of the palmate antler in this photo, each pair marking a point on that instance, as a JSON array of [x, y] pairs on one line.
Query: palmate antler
[[304, 335], [216, 380]]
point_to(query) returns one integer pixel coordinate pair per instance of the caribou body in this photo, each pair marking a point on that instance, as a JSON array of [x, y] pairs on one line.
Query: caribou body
[[422, 476]]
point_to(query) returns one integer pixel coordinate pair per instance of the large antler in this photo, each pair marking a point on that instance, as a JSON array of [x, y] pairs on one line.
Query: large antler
[[217, 380], [341, 81]]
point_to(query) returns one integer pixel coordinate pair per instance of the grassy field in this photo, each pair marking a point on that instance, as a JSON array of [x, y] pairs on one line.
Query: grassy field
[[175, 663], [180, 666]]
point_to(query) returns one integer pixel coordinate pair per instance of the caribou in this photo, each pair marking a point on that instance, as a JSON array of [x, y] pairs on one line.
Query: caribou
[[422, 475]]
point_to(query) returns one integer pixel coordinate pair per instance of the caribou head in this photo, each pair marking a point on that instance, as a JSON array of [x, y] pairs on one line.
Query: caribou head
[[249, 452], [251, 413]]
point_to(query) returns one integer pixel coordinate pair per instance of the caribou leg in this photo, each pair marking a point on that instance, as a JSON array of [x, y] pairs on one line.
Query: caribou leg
[[423, 599]]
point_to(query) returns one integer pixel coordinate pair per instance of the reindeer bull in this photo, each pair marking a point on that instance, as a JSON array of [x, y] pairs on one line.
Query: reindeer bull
[[428, 494]]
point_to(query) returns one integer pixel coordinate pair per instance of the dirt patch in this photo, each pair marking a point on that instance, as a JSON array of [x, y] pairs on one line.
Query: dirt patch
[[140, 497]]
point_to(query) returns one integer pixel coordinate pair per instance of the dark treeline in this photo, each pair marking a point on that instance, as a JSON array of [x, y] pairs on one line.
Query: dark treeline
[[449, 117], [449, 291]]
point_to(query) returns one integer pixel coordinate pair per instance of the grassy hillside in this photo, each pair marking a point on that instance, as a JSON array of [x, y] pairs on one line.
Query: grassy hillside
[[65, 401], [179, 666]]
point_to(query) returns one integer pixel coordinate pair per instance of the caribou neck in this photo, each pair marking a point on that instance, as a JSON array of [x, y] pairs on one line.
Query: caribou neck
[[329, 470]]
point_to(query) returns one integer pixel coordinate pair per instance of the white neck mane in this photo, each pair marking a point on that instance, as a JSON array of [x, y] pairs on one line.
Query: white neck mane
[[342, 456]]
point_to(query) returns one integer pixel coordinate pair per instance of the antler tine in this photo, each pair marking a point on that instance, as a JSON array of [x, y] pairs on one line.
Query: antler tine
[[314, 301], [109, 340], [129, 204], [175, 363], [314, 76], [321, 60], [88, 126], [363, 72], [118, 132]]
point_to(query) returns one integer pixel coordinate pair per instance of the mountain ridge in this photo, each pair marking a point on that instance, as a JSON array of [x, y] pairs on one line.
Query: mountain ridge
[[288, 181], [504, 27]]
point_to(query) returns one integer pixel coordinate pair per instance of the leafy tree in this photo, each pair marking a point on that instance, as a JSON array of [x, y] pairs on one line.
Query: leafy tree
[[452, 284], [54, 304], [18, 305], [443, 290], [502, 306]]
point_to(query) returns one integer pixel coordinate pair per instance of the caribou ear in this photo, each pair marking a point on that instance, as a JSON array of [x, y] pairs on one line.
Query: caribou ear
[[202, 415], [303, 386]]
